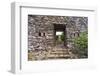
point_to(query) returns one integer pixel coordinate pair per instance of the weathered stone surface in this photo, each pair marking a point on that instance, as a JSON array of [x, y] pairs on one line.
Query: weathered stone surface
[[41, 30]]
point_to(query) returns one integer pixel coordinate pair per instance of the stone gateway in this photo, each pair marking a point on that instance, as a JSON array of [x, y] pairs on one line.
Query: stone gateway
[[52, 37]]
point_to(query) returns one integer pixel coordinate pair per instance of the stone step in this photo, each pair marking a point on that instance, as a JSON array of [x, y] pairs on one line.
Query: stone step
[[58, 53], [60, 49], [62, 52], [58, 56]]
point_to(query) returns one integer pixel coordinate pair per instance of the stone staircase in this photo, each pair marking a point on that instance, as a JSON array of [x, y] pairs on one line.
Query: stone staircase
[[54, 53], [60, 53]]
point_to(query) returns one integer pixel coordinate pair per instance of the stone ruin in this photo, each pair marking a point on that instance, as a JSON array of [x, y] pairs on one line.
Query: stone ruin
[[42, 28]]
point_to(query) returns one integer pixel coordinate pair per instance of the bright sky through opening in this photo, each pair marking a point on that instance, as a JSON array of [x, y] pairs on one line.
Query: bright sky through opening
[[59, 32]]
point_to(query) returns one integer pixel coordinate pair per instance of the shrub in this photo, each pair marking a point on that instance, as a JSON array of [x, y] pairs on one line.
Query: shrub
[[81, 45]]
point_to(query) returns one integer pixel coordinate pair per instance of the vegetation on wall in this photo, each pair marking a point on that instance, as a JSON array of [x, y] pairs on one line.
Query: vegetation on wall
[[81, 45]]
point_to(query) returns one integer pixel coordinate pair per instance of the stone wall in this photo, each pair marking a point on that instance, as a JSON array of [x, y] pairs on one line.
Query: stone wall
[[41, 30]]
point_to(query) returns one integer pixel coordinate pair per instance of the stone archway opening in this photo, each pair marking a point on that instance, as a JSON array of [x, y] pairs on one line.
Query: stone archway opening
[[60, 35]]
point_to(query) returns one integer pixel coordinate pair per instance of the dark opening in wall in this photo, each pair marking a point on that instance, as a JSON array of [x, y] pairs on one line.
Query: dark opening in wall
[[59, 34], [39, 34], [43, 34]]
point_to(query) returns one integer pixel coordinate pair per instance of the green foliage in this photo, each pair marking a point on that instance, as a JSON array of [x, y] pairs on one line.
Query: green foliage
[[62, 37], [81, 44]]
